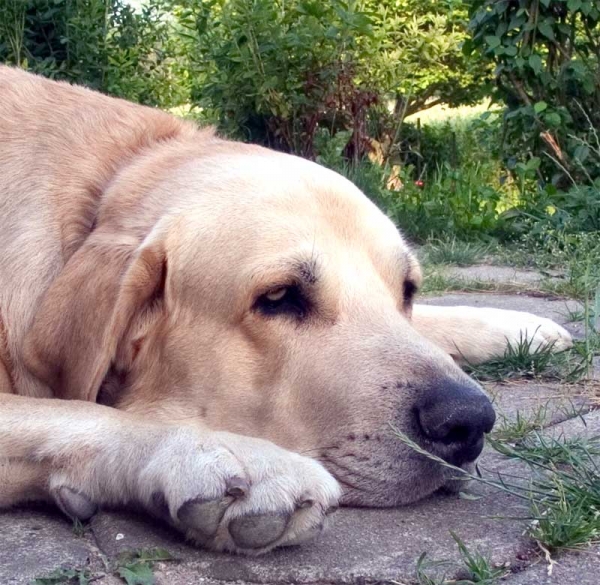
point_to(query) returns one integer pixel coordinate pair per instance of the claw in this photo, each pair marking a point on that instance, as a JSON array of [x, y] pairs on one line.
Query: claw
[[237, 487]]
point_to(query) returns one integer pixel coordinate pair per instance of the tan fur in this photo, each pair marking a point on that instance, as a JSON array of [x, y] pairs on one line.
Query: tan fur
[[134, 249]]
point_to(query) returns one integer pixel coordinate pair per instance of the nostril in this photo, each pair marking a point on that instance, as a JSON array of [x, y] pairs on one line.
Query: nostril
[[447, 430], [459, 434]]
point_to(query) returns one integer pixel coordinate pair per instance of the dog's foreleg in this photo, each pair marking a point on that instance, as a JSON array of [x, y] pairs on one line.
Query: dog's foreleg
[[475, 335], [225, 491]]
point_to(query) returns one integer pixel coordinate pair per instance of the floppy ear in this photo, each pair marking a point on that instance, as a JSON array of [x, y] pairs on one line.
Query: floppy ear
[[87, 310]]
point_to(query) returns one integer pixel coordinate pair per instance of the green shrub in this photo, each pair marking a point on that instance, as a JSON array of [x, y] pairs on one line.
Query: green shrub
[[103, 44], [455, 143], [278, 72], [275, 72], [569, 210], [547, 57]]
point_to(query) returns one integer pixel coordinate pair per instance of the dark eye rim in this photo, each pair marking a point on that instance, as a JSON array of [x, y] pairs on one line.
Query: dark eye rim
[[409, 291], [293, 303]]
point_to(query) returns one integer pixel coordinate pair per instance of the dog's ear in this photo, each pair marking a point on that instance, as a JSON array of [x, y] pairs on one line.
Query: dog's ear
[[88, 309]]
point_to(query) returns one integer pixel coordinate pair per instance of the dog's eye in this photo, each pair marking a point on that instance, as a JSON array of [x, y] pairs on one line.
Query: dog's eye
[[277, 294], [283, 300], [410, 289]]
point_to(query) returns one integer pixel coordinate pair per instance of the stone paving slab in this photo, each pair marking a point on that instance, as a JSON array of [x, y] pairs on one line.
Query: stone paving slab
[[364, 544], [35, 542], [369, 546], [581, 568], [548, 402]]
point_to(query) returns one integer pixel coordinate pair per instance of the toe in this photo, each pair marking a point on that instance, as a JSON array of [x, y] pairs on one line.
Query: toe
[[202, 517], [257, 530], [74, 504]]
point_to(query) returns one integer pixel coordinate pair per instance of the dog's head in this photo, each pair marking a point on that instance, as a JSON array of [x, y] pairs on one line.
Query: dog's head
[[262, 294]]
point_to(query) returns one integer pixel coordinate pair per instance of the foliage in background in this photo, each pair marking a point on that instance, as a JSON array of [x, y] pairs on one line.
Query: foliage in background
[[272, 72], [460, 191], [279, 72], [547, 58], [104, 44]]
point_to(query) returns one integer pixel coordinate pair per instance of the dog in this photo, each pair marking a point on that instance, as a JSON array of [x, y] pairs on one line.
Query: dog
[[219, 334]]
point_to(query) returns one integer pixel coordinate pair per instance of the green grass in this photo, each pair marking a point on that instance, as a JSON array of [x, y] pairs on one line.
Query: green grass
[[574, 256], [453, 251], [519, 361], [475, 568], [436, 281], [516, 430], [561, 494], [565, 510], [509, 430]]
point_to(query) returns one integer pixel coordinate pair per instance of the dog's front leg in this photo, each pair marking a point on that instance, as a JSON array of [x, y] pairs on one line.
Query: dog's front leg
[[477, 334], [224, 491]]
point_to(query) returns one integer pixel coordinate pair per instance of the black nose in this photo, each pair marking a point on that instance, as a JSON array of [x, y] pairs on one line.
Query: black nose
[[454, 415]]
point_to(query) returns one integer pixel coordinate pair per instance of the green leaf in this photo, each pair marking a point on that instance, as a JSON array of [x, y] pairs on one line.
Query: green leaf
[[552, 119], [137, 574], [64, 577], [546, 29], [582, 152], [535, 62], [511, 51], [540, 107], [574, 5], [492, 41]]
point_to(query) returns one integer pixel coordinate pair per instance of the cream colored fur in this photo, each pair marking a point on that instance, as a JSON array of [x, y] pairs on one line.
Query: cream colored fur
[[136, 363]]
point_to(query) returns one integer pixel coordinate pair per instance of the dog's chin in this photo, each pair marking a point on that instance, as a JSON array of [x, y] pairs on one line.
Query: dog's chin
[[436, 480]]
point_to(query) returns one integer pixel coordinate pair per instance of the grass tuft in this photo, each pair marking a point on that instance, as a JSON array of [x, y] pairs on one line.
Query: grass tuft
[[507, 430], [476, 568], [519, 360], [65, 576], [562, 490], [131, 568], [453, 251]]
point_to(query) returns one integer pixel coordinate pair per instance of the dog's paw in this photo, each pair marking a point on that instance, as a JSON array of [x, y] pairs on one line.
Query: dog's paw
[[537, 332], [232, 493], [480, 334]]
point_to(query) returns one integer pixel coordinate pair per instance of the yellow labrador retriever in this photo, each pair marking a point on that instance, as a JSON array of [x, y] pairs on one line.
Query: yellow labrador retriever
[[217, 333]]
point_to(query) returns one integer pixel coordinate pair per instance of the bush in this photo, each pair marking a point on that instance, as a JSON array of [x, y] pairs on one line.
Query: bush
[[103, 44], [273, 73], [547, 57], [455, 143]]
